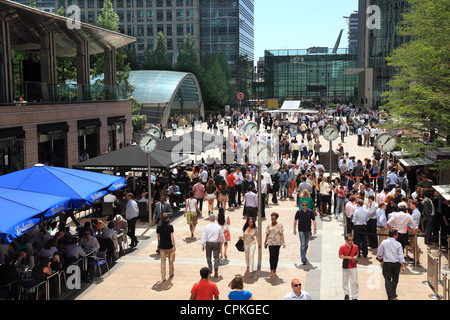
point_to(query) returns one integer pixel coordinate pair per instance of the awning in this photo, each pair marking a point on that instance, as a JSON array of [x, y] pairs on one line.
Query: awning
[[444, 191], [132, 158], [194, 142], [413, 162]]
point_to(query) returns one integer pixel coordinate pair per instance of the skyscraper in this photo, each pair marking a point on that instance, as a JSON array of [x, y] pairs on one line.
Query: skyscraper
[[227, 25]]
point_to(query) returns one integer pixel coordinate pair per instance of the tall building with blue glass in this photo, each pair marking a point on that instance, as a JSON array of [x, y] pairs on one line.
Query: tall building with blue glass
[[227, 25]]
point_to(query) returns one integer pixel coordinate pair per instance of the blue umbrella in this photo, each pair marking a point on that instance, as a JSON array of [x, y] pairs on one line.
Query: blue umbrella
[[22, 210], [82, 187]]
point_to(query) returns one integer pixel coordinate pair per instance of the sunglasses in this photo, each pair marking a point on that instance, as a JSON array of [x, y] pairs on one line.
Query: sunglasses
[[297, 285]]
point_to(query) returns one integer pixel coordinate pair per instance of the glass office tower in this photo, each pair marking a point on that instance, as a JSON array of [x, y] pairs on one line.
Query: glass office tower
[[227, 25], [314, 75]]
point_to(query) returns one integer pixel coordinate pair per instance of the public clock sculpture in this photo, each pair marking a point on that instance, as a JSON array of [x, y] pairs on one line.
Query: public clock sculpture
[[330, 133], [148, 142]]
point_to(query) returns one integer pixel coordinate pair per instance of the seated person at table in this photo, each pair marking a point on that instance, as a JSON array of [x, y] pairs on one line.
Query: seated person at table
[[25, 260], [121, 227], [41, 271], [73, 252], [8, 272], [87, 226], [98, 226], [110, 233], [88, 242], [48, 250], [174, 195]]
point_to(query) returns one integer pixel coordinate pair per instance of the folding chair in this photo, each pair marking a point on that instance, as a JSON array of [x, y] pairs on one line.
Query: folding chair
[[99, 260]]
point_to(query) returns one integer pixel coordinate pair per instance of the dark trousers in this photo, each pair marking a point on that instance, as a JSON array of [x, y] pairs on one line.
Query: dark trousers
[[252, 212], [213, 248], [361, 238], [239, 193], [274, 253], [200, 203], [372, 230], [232, 197], [263, 205], [349, 224], [132, 230], [391, 274]]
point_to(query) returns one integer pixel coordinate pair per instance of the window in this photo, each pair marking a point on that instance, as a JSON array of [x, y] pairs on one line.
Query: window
[[150, 32], [140, 43], [149, 15], [169, 15], [139, 15], [180, 14], [150, 44], [130, 16], [90, 4], [190, 29], [169, 44], [159, 3], [168, 3], [149, 3], [119, 3], [140, 31], [160, 15], [189, 14], [139, 3], [169, 29], [160, 28], [179, 3], [91, 16], [80, 3], [180, 30]]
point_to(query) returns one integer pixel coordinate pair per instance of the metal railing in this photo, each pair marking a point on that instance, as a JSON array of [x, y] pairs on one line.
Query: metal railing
[[44, 92]]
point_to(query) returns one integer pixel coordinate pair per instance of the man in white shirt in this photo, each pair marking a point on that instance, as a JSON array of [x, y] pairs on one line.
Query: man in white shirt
[[88, 242], [297, 293], [212, 237], [401, 220], [131, 214]]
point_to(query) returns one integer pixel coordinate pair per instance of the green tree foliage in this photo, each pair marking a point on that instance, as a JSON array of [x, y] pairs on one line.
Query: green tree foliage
[[158, 59], [217, 90], [109, 20], [419, 98]]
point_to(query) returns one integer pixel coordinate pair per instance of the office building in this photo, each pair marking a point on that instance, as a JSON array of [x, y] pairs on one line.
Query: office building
[[53, 123], [314, 76]]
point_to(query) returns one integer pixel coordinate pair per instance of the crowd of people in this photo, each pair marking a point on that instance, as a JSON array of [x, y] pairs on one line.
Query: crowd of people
[[356, 194]]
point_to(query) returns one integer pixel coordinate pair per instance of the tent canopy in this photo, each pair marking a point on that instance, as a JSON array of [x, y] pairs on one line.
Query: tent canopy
[[22, 210], [132, 158], [444, 191], [194, 142], [80, 186]]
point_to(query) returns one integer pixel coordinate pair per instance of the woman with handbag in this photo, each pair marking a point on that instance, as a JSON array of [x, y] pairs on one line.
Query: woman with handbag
[[190, 212], [251, 238]]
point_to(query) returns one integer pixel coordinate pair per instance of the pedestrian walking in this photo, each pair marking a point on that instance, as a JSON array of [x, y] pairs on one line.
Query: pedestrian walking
[[211, 239], [164, 233], [131, 214], [391, 252], [304, 216], [382, 229], [348, 253], [274, 240], [204, 289], [190, 212], [251, 240], [224, 221]]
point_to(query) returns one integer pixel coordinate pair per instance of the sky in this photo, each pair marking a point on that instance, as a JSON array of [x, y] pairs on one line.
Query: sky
[[300, 24]]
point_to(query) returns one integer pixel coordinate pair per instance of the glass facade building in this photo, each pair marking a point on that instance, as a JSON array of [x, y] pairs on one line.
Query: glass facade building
[[227, 25], [314, 75]]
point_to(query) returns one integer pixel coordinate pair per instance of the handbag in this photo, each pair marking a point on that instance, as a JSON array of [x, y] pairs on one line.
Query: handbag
[[345, 261], [240, 245]]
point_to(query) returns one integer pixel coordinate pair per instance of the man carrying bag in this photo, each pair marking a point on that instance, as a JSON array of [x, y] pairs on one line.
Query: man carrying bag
[[348, 252]]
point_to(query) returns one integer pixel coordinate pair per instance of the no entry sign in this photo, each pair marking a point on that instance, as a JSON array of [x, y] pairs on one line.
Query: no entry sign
[[240, 96]]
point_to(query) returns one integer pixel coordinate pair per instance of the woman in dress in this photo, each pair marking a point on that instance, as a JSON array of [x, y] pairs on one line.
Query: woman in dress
[[305, 196], [190, 212], [274, 240], [211, 190], [224, 221], [223, 194], [251, 238]]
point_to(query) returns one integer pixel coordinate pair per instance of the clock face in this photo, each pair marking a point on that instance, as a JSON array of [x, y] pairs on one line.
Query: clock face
[[259, 153], [148, 143], [386, 142], [155, 131], [251, 129], [330, 133]]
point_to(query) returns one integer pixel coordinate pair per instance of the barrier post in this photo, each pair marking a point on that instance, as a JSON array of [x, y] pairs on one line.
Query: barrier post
[[445, 296], [432, 275]]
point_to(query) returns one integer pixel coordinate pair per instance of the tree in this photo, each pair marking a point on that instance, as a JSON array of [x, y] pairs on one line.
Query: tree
[[109, 20], [419, 98], [158, 59], [217, 91]]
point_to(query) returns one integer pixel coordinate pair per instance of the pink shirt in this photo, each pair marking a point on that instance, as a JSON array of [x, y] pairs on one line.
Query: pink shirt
[[349, 209], [400, 221], [381, 197], [198, 189]]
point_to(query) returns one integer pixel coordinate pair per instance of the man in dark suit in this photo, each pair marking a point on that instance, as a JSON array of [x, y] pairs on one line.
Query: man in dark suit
[[161, 207]]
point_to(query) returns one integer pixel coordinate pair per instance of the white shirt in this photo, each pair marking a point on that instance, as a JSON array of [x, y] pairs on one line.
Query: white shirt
[[132, 210], [212, 233], [303, 296]]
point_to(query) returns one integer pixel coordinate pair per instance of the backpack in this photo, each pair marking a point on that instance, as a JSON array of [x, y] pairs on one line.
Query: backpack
[[224, 191]]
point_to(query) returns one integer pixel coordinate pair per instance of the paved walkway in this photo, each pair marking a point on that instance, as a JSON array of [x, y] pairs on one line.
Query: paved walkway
[[136, 275]]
